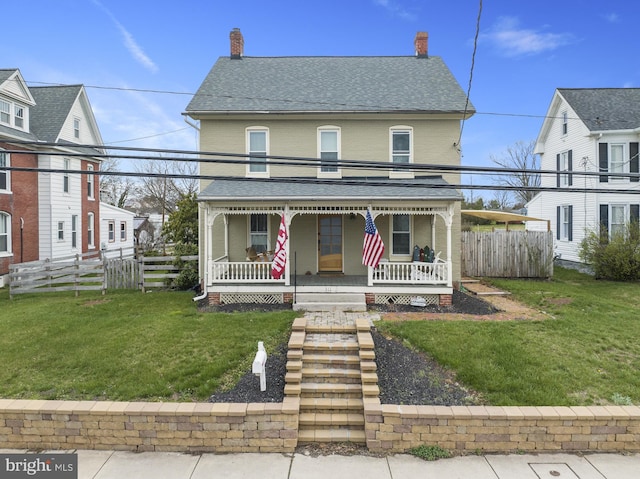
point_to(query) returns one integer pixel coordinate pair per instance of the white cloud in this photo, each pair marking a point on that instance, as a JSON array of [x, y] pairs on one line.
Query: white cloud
[[395, 9], [512, 40], [612, 17], [129, 42]]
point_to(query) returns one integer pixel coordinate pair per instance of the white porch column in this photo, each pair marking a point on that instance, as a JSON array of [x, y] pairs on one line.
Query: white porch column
[[449, 222], [226, 235]]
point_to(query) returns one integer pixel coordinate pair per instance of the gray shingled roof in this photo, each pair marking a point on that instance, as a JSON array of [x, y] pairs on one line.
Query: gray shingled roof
[[53, 104], [355, 188], [604, 109], [5, 73], [329, 84]]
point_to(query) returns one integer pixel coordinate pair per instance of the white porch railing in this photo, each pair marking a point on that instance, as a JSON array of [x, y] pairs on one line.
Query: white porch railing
[[222, 271], [411, 273]]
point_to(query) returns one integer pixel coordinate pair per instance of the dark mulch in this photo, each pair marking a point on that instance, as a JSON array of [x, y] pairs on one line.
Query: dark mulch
[[404, 376]]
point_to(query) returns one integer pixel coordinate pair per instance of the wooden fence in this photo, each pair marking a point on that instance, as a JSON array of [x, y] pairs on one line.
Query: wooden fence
[[157, 271], [507, 254], [82, 272], [92, 272]]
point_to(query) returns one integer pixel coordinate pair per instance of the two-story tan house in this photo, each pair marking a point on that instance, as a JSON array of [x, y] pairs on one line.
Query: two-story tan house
[[321, 141]]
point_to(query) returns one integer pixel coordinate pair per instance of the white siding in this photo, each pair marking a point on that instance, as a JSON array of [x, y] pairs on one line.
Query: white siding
[[118, 216], [56, 206]]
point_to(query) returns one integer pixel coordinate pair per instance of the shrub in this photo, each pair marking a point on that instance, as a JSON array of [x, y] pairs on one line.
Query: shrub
[[430, 453], [188, 276], [617, 258]]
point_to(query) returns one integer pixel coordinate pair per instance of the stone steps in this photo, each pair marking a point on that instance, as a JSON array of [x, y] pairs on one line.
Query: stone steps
[[331, 369]]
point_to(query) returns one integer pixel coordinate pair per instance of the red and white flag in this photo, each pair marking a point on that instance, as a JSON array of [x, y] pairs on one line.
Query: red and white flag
[[280, 255], [373, 246]]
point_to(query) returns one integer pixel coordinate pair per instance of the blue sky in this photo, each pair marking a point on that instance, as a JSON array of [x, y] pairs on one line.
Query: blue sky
[[133, 50]]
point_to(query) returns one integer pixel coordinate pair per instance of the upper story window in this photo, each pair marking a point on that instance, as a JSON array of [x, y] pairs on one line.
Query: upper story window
[[5, 112], [18, 117], [259, 233], [329, 150], [257, 149], [76, 128], [401, 143], [5, 183], [65, 178], [401, 235], [565, 166], [90, 183], [5, 233], [617, 163], [565, 123], [60, 230], [12, 114]]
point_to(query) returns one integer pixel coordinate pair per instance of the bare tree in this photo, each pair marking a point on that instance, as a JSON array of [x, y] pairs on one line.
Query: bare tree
[[501, 200], [115, 190], [163, 182], [520, 156]]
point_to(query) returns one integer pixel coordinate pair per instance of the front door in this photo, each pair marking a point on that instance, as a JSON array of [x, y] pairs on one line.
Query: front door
[[329, 243]]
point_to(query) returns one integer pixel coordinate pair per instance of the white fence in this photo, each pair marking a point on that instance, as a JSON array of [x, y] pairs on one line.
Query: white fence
[[158, 271]]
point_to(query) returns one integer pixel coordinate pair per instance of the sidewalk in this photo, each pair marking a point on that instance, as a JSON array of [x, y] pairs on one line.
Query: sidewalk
[[155, 465]]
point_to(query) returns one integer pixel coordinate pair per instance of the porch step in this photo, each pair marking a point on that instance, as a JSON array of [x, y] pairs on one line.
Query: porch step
[[330, 302]]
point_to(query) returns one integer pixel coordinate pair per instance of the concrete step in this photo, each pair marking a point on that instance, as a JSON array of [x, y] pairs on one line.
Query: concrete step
[[331, 404], [331, 375], [328, 390], [331, 360], [331, 328], [330, 302], [330, 347], [330, 419], [307, 436]]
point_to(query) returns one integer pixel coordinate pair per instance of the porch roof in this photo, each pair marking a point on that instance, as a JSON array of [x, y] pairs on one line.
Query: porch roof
[[307, 188]]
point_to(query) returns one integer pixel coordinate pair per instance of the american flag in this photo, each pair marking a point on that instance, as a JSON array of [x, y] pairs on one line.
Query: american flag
[[280, 258], [373, 246]]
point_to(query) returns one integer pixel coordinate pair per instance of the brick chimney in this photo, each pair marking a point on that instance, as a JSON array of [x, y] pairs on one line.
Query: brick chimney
[[421, 43], [237, 43]]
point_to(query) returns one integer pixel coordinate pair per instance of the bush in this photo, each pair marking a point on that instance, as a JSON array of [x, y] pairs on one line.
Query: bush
[[617, 258], [188, 276]]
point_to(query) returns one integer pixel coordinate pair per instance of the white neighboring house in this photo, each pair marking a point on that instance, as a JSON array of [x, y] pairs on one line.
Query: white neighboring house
[[593, 130], [116, 231]]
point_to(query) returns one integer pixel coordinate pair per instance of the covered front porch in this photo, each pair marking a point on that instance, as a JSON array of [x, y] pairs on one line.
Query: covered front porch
[[324, 254]]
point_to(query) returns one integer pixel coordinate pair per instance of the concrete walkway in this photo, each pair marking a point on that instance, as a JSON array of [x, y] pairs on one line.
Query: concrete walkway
[[155, 465]]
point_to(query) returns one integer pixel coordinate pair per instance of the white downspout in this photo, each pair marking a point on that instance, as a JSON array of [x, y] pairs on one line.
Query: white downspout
[[206, 257]]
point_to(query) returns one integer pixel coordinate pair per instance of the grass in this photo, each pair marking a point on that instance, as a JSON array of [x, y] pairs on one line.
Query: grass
[[587, 353], [126, 346]]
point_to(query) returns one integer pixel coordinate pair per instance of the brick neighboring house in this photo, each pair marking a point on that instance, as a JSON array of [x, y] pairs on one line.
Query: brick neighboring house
[[397, 113], [46, 214]]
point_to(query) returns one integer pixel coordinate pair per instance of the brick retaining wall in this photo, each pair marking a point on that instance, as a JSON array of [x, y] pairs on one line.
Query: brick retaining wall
[[393, 428], [139, 426], [273, 427]]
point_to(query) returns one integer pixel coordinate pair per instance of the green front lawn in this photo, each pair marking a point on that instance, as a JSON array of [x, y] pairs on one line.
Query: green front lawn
[[588, 353], [126, 345]]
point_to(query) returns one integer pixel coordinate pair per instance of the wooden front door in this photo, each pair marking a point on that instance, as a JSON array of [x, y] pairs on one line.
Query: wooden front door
[[330, 243]]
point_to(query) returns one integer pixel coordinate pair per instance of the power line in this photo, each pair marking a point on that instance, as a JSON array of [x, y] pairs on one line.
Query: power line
[[473, 61]]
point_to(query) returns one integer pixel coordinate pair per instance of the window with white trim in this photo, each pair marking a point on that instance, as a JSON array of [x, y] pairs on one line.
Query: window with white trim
[[401, 235], [60, 230], [18, 116], [111, 228], [565, 222], [5, 233], [91, 240], [76, 128], [5, 179], [123, 231], [74, 231], [259, 232], [5, 112], [563, 166], [90, 183], [617, 163], [565, 123], [328, 149], [401, 146], [618, 218], [257, 149], [65, 178]]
